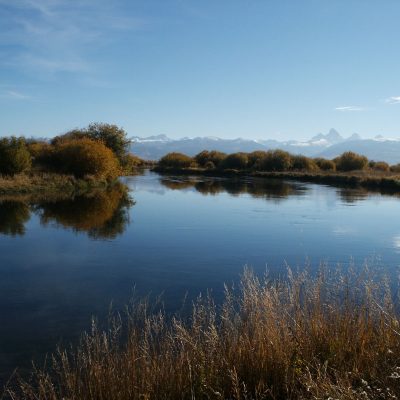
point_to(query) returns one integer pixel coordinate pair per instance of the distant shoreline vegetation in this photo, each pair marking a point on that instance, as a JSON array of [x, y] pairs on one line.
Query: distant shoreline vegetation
[[77, 160], [350, 169]]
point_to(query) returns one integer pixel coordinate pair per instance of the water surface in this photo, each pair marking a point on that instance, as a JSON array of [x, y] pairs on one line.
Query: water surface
[[65, 259]]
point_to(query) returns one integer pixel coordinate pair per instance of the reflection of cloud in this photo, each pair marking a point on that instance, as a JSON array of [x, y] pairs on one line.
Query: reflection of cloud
[[396, 242], [343, 230]]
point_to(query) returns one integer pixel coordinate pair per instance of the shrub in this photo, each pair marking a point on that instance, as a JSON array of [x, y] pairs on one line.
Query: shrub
[[255, 157], [14, 156], [276, 160], [303, 163], [82, 157], [395, 168], [175, 160], [381, 166], [40, 153], [131, 163], [235, 161], [209, 165], [202, 158], [350, 161], [216, 157], [112, 136], [325, 165]]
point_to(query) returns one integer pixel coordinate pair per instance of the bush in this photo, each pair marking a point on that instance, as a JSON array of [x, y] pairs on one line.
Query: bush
[[276, 160], [82, 157], [40, 153], [302, 163], [209, 165], [350, 161], [216, 157], [131, 163], [255, 157], [14, 156], [112, 136], [175, 160], [325, 165], [235, 161], [381, 166], [395, 168]]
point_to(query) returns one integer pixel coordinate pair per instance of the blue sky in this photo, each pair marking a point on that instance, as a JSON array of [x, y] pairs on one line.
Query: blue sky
[[229, 68]]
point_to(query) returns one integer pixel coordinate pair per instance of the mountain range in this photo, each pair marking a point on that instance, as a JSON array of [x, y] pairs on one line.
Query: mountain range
[[327, 145]]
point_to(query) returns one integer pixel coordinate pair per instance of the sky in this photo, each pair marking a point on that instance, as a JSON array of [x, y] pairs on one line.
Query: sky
[[276, 69]]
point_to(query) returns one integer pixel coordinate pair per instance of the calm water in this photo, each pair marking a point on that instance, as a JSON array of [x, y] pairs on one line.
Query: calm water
[[63, 260]]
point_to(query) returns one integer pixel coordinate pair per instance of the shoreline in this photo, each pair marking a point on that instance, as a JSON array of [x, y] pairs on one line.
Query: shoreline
[[383, 182], [47, 183]]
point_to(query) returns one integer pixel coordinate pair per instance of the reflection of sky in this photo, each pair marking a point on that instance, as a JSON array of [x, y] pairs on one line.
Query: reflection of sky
[[396, 242], [178, 241]]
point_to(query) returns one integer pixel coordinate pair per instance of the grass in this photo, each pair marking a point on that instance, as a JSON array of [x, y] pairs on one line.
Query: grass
[[386, 181], [331, 336], [46, 182]]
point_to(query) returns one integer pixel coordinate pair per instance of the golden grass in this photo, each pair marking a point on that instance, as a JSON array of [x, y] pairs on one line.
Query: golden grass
[[46, 182], [333, 336]]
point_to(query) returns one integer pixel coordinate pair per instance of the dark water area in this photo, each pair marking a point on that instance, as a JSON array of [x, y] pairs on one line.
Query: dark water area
[[63, 260]]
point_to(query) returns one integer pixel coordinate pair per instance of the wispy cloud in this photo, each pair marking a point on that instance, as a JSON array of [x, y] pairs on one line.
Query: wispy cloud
[[393, 100], [349, 108], [50, 36], [14, 95]]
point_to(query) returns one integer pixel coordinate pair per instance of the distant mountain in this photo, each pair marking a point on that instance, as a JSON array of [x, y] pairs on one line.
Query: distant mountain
[[378, 150], [329, 145]]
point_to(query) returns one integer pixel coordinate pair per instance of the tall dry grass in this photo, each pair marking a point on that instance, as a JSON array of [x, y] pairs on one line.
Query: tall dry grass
[[333, 336]]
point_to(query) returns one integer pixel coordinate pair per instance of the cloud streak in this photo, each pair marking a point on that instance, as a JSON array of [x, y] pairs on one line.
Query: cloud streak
[[349, 108], [14, 95], [50, 36], [393, 100]]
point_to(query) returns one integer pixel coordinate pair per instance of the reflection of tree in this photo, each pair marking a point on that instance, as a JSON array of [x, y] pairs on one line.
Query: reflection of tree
[[351, 196], [103, 214], [177, 184], [261, 188], [13, 215]]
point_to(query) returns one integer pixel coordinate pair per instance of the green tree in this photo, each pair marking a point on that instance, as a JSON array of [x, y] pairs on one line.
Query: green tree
[[14, 156]]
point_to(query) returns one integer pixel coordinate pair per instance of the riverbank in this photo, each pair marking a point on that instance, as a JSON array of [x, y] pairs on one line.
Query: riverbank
[[41, 183], [331, 336], [387, 182]]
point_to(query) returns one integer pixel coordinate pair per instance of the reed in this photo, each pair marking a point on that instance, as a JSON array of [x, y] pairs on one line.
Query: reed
[[329, 335]]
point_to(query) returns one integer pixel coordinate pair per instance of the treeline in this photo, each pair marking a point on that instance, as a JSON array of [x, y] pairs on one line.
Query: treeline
[[99, 150], [273, 160]]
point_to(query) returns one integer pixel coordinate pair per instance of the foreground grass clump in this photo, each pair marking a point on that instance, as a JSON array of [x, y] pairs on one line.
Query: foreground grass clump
[[303, 338]]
